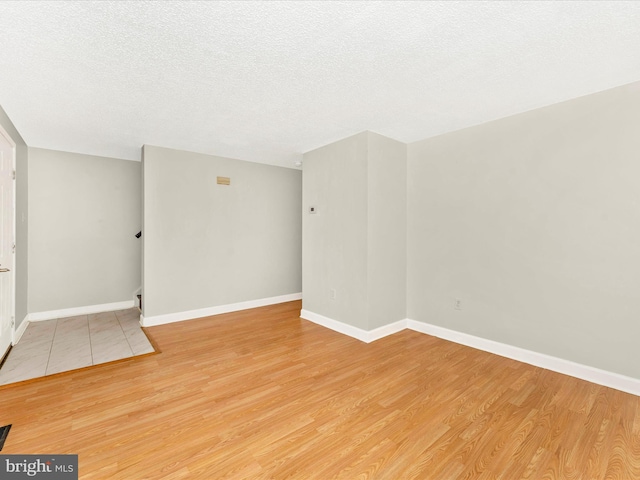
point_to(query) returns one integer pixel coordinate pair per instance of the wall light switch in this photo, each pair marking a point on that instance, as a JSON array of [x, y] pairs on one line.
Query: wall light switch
[[224, 181]]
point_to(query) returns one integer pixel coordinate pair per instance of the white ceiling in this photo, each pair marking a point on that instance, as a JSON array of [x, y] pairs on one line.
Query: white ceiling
[[267, 81]]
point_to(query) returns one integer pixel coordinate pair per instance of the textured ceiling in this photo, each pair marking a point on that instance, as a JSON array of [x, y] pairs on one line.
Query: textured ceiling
[[267, 81]]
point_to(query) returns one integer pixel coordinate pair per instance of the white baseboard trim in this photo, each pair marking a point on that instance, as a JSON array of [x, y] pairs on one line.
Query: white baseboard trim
[[566, 367], [386, 330], [17, 335], [72, 312], [151, 321], [366, 336]]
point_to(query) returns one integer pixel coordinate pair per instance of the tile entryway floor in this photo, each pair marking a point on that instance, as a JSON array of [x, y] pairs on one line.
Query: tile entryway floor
[[54, 346]]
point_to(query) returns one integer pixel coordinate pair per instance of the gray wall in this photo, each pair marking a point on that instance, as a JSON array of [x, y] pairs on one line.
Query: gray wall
[[533, 222], [84, 213], [355, 243], [208, 245], [22, 230], [387, 230], [335, 238]]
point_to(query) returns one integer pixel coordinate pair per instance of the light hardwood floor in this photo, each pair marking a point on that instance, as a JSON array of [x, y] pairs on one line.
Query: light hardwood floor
[[263, 394]]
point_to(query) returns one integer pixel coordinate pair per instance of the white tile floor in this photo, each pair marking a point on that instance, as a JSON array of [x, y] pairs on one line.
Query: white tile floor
[[54, 346]]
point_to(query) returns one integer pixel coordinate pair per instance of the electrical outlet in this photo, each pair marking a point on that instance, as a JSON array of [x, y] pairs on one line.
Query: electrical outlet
[[457, 304], [332, 293]]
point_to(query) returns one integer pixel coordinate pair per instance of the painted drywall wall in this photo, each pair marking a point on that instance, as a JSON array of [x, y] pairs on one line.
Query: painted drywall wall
[[334, 256], [207, 245], [533, 222], [386, 230], [22, 229], [84, 213], [355, 243]]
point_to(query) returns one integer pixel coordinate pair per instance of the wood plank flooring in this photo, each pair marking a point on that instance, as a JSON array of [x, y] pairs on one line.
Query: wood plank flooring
[[262, 394]]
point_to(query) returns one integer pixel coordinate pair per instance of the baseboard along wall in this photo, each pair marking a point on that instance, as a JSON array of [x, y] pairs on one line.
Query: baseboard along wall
[[366, 336], [17, 335], [566, 367], [72, 312], [151, 321], [560, 365]]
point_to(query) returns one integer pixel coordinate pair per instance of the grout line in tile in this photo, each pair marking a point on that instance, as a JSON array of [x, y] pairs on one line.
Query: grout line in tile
[[53, 337], [125, 335]]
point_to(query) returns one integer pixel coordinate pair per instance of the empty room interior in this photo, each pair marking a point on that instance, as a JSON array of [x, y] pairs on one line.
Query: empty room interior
[[372, 240]]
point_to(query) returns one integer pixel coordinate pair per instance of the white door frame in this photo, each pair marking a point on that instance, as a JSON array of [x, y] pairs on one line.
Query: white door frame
[[6, 135]]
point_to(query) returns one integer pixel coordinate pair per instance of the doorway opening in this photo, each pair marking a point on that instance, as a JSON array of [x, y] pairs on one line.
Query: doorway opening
[[7, 241]]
